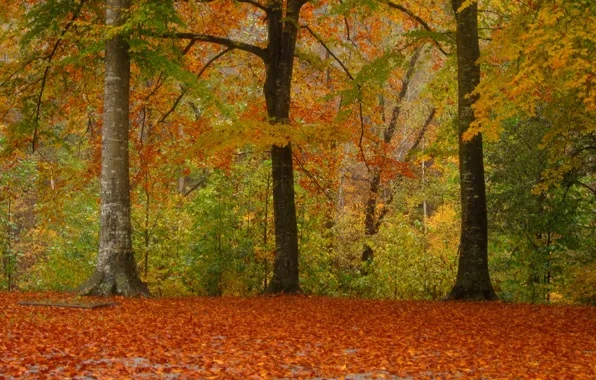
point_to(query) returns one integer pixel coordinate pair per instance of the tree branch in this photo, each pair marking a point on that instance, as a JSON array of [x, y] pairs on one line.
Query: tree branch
[[586, 186], [256, 4], [416, 18], [388, 135], [194, 187], [384, 211], [312, 178], [329, 51], [185, 91], [46, 72], [251, 2], [361, 114], [345, 69], [429, 119], [230, 44], [385, 208]]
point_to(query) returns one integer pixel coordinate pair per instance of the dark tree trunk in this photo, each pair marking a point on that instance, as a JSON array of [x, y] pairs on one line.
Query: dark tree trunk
[[7, 256], [473, 281], [282, 34], [370, 214], [116, 270]]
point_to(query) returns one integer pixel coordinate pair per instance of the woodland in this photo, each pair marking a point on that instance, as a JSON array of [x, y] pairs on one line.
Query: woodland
[[344, 148], [284, 188]]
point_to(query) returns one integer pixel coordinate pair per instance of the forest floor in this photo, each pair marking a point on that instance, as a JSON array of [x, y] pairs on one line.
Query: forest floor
[[295, 337]]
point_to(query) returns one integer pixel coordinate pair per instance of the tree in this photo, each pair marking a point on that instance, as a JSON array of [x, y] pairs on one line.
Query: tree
[[537, 98], [282, 32], [542, 241], [116, 270], [278, 57], [473, 280], [540, 65], [372, 218]]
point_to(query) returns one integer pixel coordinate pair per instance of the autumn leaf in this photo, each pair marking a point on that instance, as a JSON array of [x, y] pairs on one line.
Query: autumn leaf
[[240, 337]]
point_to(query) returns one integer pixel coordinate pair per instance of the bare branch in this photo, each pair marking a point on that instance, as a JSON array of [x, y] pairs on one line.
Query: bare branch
[[416, 18], [46, 72], [256, 4], [329, 51], [230, 44], [251, 2], [586, 186], [194, 187], [385, 209], [312, 178], [185, 91], [188, 47], [361, 114], [347, 71], [429, 120], [388, 134]]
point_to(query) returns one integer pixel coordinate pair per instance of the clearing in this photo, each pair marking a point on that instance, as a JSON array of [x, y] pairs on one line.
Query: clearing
[[295, 337]]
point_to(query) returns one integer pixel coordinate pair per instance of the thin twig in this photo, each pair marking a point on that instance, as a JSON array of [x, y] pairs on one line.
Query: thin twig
[[312, 178], [46, 72], [185, 91], [419, 20], [343, 66], [358, 85]]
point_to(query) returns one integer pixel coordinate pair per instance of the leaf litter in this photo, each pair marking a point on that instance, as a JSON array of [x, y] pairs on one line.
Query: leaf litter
[[295, 337]]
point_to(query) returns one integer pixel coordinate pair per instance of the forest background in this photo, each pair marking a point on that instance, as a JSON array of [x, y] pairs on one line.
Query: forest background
[[373, 126]]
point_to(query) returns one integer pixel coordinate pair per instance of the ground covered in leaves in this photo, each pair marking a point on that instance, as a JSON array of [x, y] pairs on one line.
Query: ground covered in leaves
[[295, 337]]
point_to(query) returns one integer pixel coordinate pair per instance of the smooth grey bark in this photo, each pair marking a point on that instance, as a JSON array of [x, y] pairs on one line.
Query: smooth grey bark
[[116, 271], [473, 280], [282, 35]]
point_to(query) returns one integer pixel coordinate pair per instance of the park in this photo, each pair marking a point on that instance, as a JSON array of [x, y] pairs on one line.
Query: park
[[317, 189]]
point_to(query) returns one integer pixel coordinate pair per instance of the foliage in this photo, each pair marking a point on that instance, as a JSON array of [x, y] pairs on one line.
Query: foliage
[[541, 65], [416, 256], [223, 250], [540, 239], [201, 188]]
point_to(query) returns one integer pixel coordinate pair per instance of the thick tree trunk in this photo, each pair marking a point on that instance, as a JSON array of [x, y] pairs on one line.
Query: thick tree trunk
[[282, 34], [285, 270], [473, 281], [116, 270]]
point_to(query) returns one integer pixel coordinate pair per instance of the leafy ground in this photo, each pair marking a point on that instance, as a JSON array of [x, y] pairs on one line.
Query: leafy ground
[[290, 337]]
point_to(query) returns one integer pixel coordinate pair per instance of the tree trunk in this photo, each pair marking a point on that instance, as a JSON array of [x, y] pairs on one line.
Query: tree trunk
[[116, 270], [370, 214], [282, 34], [473, 281], [7, 256]]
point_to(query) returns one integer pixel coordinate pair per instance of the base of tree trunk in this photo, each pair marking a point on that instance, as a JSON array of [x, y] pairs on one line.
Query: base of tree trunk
[[460, 293], [119, 283], [278, 287]]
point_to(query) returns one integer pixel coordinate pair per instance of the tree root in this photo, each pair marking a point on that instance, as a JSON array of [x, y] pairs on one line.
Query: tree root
[[460, 293], [118, 284]]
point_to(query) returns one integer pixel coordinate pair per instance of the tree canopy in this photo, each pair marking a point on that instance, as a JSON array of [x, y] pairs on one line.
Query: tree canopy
[[370, 148]]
